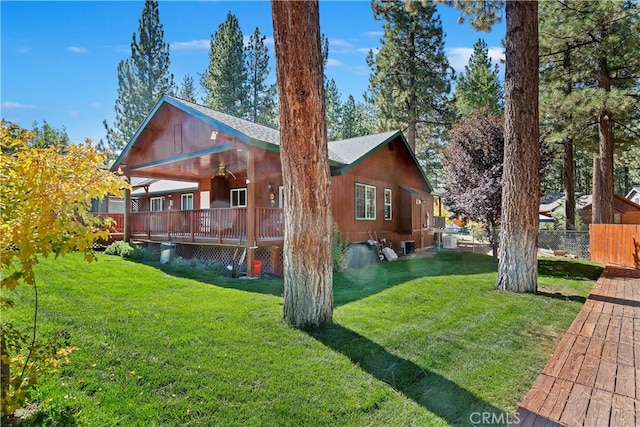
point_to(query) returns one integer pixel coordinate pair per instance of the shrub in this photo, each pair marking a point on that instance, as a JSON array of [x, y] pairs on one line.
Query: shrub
[[141, 253], [119, 248], [340, 250]]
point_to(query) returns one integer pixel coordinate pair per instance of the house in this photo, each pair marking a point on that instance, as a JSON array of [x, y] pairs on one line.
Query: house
[[236, 198], [625, 211]]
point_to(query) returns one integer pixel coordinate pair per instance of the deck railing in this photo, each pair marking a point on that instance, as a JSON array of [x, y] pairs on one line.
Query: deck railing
[[217, 224], [117, 221]]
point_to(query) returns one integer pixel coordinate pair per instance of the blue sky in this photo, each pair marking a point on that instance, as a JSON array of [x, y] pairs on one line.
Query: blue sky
[[59, 59]]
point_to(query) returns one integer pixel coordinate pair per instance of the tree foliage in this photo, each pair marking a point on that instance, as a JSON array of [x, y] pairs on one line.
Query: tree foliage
[[473, 169], [410, 79], [142, 79], [261, 103], [187, 89], [45, 199], [479, 85], [47, 136], [225, 79]]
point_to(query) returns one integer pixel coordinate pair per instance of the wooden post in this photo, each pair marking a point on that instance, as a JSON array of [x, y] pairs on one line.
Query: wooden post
[[251, 213]]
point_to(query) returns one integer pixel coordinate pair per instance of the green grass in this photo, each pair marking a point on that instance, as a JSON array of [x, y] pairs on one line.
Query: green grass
[[416, 342]]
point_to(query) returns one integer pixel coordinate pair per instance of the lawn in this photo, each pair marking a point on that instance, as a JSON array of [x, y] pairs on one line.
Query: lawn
[[424, 341]]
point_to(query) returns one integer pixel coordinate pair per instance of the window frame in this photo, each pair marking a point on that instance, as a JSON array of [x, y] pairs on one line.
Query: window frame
[[389, 204], [238, 191], [368, 189], [155, 199], [186, 196]]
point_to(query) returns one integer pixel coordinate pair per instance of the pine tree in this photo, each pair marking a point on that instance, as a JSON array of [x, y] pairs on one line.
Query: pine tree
[[225, 79], [479, 86], [590, 66], [187, 89], [142, 79], [410, 79], [47, 136], [261, 102], [333, 109], [355, 120]]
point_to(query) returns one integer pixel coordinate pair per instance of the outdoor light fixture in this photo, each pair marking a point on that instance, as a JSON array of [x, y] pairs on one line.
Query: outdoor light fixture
[[270, 187], [214, 135]]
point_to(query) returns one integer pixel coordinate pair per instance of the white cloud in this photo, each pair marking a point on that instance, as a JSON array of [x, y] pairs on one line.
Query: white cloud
[[74, 114], [191, 45], [96, 105], [339, 42], [9, 105], [459, 56], [334, 63], [77, 49], [374, 33], [23, 49]]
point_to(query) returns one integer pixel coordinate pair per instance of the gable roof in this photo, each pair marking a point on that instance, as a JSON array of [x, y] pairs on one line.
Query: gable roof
[[343, 154]]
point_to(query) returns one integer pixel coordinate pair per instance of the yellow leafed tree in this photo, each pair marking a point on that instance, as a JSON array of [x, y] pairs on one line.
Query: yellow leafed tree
[[45, 203]]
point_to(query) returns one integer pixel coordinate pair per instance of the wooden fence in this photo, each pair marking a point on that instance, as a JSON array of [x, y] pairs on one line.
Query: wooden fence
[[615, 244]]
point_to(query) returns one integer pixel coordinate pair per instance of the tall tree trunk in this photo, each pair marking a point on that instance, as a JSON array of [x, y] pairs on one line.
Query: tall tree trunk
[[308, 273], [596, 193], [518, 267], [569, 185], [413, 99], [605, 149]]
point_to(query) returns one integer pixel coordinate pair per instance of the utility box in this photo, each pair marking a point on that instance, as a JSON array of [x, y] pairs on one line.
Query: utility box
[[450, 242], [407, 247]]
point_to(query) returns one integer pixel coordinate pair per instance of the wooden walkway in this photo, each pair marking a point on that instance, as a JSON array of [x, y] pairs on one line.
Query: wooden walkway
[[593, 377]]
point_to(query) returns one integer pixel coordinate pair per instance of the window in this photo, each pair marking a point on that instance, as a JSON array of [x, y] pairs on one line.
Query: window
[[239, 197], [387, 204], [365, 202], [186, 201], [157, 204]]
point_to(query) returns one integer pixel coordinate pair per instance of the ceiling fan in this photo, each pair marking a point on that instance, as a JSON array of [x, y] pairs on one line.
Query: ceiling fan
[[223, 172]]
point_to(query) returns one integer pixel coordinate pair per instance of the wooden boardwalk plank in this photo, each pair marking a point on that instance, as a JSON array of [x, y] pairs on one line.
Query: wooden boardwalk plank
[[556, 399], [625, 381], [576, 408], [599, 409], [606, 377], [622, 411]]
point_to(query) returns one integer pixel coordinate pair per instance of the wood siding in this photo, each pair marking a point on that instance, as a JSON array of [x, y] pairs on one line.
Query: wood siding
[[615, 244], [631, 217]]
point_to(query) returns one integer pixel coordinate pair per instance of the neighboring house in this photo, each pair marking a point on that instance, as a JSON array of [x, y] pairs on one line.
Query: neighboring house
[[625, 211], [236, 199], [634, 195]]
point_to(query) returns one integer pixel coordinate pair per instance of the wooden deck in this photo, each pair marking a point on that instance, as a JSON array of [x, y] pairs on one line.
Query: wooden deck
[[593, 377]]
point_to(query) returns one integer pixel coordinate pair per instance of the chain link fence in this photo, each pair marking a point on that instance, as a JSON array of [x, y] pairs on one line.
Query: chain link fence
[[572, 242]]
